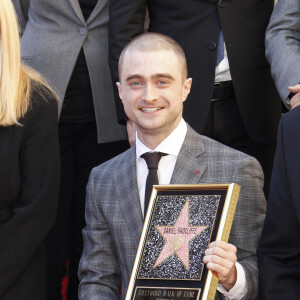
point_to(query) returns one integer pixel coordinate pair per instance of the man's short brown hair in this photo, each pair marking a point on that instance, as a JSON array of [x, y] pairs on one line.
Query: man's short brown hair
[[151, 41]]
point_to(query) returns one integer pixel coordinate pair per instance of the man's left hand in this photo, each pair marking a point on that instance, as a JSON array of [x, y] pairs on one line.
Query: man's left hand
[[220, 258]]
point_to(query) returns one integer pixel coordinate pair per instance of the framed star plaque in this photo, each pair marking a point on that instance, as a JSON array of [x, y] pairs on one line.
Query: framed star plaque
[[180, 223]]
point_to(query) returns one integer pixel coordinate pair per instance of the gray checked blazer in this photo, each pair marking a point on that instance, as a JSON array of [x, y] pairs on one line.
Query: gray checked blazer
[[114, 217], [283, 45], [53, 32]]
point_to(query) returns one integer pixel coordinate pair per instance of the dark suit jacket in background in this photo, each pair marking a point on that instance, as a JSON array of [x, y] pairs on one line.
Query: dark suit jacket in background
[[114, 216], [196, 26], [29, 182], [279, 249]]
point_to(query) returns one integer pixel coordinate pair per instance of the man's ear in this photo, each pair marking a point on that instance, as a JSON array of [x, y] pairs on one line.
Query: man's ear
[[120, 90], [186, 88]]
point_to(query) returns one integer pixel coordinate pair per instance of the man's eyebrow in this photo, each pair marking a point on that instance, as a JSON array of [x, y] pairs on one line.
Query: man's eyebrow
[[158, 75], [163, 75], [134, 76]]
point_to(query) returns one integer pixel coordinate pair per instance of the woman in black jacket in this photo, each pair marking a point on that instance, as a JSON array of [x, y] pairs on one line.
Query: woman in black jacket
[[29, 168]]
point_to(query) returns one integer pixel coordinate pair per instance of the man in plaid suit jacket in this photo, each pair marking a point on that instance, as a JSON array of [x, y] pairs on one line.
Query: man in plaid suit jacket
[[153, 87]]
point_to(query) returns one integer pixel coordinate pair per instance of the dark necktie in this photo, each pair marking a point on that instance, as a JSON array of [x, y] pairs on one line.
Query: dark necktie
[[152, 159], [220, 52]]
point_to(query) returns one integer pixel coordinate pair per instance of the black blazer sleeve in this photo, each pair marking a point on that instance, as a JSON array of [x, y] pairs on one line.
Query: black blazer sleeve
[[37, 177], [126, 20], [279, 248]]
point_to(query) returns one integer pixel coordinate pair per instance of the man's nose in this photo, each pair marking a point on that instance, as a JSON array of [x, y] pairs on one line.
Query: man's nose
[[150, 94]]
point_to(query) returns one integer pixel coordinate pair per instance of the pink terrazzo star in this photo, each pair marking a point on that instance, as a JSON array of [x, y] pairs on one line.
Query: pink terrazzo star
[[177, 238]]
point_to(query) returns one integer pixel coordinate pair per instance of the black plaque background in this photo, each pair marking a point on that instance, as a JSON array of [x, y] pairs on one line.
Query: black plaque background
[[169, 294], [192, 284], [202, 212]]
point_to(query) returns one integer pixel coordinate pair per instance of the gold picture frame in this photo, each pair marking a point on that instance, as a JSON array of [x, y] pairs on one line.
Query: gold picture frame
[[181, 221]]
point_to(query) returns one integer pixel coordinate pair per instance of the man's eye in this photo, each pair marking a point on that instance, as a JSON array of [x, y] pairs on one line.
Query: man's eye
[[162, 82], [135, 83]]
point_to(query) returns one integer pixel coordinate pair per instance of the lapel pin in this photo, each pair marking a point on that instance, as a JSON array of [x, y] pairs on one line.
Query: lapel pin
[[197, 171]]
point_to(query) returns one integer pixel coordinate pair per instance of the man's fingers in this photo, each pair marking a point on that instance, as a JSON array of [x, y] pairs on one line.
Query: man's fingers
[[220, 258], [295, 101], [226, 276], [214, 259], [295, 88], [224, 254], [223, 245]]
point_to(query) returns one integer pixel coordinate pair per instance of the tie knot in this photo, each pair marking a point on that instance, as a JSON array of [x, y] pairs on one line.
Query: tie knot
[[152, 159]]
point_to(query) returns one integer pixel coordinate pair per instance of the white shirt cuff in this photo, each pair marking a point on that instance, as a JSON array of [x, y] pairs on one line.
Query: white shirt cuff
[[239, 290]]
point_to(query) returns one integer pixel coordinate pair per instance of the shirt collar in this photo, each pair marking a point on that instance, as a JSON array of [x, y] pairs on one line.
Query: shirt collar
[[171, 145]]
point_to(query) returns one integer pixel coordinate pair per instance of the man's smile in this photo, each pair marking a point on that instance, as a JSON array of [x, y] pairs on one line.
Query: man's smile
[[150, 109]]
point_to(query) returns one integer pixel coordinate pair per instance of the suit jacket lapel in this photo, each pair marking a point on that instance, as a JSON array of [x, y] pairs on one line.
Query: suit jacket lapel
[[77, 9], [189, 169], [99, 7], [127, 190], [189, 166]]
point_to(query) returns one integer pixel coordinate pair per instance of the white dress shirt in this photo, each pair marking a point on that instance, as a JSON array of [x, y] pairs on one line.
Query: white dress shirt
[[222, 72], [171, 146]]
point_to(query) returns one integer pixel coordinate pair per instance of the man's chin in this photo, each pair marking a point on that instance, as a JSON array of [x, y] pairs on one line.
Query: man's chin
[[150, 126]]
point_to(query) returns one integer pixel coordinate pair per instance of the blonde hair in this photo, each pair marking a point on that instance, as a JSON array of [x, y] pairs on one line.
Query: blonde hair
[[16, 80]]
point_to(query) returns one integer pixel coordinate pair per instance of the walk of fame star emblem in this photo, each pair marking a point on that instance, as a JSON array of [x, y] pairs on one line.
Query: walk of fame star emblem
[[177, 238]]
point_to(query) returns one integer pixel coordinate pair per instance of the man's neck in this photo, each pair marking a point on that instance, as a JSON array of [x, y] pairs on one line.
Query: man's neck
[[150, 142], [153, 139]]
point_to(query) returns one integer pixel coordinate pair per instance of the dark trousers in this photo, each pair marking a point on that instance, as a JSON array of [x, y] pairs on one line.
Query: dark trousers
[[79, 152], [225, 125]]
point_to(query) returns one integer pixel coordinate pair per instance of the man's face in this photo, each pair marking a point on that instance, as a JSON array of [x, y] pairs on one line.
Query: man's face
[[153, 90]]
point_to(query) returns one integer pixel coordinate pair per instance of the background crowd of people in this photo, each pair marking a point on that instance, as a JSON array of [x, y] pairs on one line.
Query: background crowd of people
[[62, 114]]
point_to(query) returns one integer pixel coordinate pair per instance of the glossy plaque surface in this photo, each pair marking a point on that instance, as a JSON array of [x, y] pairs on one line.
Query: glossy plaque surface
[[180, 223]]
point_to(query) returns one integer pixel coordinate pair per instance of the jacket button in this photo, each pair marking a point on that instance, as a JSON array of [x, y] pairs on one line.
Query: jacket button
[[221, 3], [82, 31], [212, 45]]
